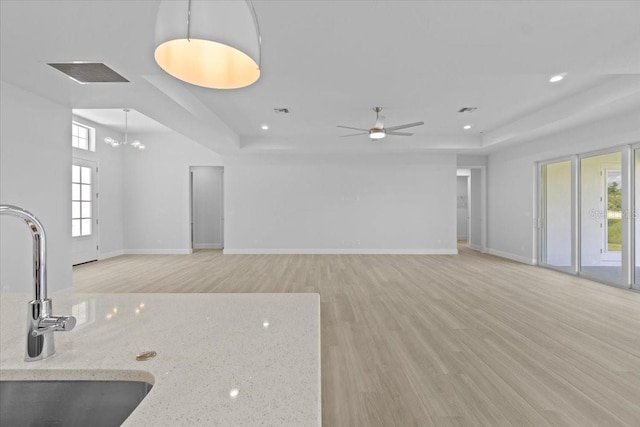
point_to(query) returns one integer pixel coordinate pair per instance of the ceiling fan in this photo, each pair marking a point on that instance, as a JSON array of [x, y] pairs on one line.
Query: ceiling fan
[[378, 131]]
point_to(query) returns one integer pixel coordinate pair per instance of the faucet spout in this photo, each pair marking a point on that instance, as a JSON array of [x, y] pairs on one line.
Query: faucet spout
[[41, 323], [39, 248]]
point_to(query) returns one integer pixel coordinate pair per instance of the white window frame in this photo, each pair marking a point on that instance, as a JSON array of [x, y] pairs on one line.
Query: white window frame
[[91, 137]]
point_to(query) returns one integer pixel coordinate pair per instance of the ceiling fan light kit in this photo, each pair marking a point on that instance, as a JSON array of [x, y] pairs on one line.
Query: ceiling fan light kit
[[378, 131], [213, 44]]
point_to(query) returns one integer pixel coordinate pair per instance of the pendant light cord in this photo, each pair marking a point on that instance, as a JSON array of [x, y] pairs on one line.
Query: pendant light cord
[[255, 21], [126, 126], [189, 22]]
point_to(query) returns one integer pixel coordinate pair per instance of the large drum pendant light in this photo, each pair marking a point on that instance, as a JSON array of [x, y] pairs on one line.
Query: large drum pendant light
[[209, 43]]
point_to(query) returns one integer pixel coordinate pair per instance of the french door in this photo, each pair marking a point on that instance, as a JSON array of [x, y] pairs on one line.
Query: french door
[[84, 218], [557, 229], [588, 206], [602, 226]]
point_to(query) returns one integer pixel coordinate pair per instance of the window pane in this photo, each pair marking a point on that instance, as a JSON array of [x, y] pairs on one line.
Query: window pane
[[75, 227], [82, 137], [556, 249], [601, 213], [86, 192], [86, 209], [86, 175], [75, 173], [75, 191], [86, 227], [75, 209]]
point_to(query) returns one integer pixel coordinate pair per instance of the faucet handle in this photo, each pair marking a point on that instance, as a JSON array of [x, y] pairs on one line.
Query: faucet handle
[[54, 323]]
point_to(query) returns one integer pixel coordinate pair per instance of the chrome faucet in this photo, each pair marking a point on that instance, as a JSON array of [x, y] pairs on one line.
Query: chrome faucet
[[40, 322]]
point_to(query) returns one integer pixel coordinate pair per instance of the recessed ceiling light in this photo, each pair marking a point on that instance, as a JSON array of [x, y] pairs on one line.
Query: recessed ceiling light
[[557, 78], [265, 127], [466, 127]]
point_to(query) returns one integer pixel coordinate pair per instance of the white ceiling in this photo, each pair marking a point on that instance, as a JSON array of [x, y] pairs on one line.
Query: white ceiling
[[330, 62]]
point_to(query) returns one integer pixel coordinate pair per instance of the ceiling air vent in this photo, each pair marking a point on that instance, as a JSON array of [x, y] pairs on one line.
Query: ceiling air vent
[[467, 109], [89, 72], [281, 110]]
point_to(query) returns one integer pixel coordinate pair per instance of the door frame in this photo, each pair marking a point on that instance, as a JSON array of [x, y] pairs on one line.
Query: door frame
[[95, 204], [483, 206]]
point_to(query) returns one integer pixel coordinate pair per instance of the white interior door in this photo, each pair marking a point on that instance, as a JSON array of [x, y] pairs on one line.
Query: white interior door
[[84, 212], [207, 209]]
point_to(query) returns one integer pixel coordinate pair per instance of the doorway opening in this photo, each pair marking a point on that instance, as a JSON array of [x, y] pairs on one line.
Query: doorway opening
[[462, 205], [471, 206]]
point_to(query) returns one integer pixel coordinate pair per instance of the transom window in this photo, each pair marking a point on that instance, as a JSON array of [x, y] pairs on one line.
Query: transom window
[[82, 137], [80, 201]]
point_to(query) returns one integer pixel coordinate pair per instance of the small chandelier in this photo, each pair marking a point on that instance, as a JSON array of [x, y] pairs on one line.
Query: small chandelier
[[213, 44], [115, 143]]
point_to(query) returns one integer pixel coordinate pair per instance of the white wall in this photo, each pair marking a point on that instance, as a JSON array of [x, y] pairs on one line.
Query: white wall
[[466, 160], [35, 174], [463, 207], [156, 192], [207, 207], [341, 204], [110, 186], [512, 175]]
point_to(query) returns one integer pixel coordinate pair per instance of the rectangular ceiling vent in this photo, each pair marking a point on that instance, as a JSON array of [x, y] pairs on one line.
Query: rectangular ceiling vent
[[281, 110], [467, 109], [89, 72]]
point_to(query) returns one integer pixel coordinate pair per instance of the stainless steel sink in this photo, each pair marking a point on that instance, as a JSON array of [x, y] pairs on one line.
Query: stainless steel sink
[[69, 403]]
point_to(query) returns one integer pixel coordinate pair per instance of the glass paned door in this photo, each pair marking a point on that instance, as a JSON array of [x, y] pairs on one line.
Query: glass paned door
[[556, 216], [601, 216], [81, 190], [84, 218]]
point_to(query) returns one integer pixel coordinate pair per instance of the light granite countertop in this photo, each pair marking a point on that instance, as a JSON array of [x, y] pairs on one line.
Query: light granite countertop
[[264, 346]]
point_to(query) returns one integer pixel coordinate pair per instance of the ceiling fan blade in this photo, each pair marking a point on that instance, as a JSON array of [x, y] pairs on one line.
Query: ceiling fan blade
[[354, 134], [349, 127], [399, 133], [408, 125], [380, 122]]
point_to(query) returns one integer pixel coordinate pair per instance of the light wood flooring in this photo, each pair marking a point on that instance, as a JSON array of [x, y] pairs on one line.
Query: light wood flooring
[[467, 340]]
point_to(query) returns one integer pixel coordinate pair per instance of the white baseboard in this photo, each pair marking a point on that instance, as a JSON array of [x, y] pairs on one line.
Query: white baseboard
[[511, 256], [207, 246], [476, 247], [228, 251], [158, 251], [112, 254]]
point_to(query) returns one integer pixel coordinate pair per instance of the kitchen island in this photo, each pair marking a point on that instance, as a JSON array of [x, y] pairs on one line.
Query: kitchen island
[[221, 359]]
